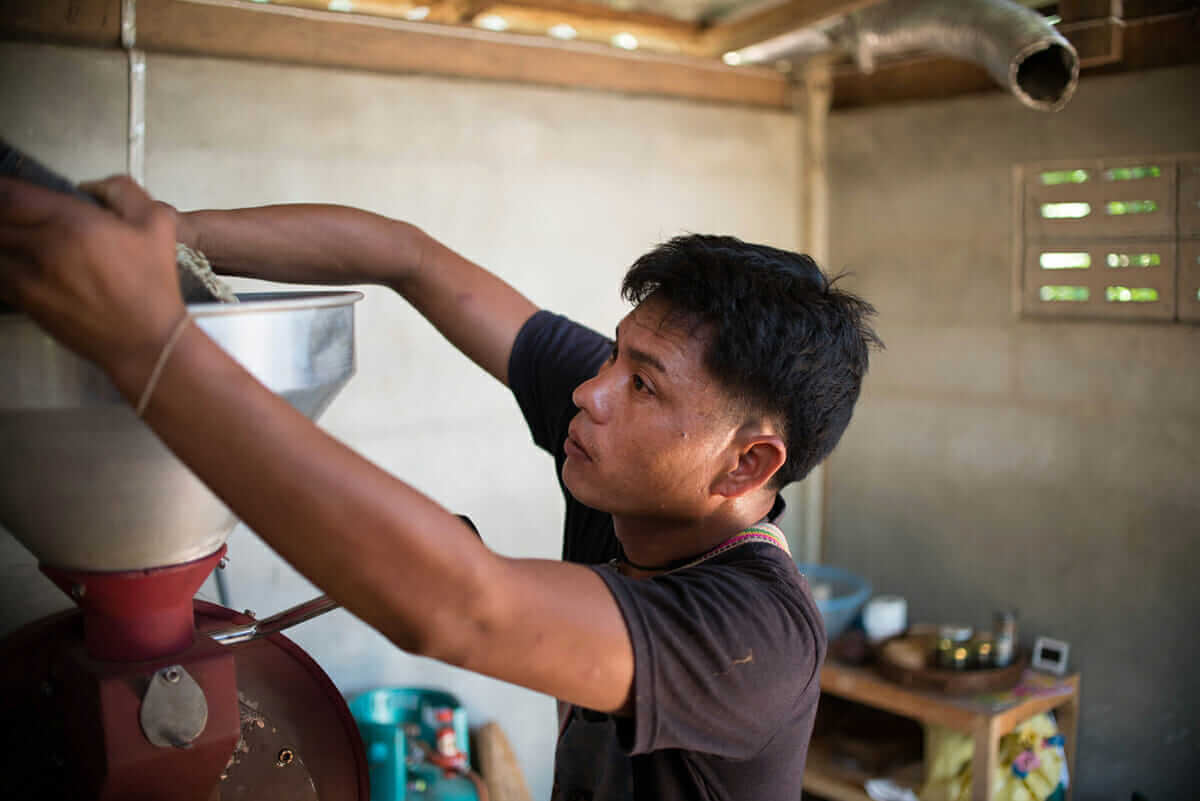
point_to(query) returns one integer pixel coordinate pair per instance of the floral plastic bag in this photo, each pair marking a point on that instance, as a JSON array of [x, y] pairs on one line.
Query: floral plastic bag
[[1032, 764]]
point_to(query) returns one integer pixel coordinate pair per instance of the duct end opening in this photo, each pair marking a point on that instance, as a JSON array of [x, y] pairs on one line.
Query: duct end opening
[[1046, 78]]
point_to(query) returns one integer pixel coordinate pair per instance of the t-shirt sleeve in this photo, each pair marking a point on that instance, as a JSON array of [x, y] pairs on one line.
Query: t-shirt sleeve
[[551, 356], [722, 657]]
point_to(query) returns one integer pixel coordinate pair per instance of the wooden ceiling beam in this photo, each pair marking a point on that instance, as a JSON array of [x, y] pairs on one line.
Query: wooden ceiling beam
[[597, 11], [925, 78], [592, 23], [598, 22], [709, 39], [775, 21], [1095, 28], [1165, 40], [394, 9], [455, 12], [306, 32], [231, 29], [87, 22]]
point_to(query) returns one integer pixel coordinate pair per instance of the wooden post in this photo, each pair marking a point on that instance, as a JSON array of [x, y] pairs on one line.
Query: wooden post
[[135, 163], [814, 96], [1067, 717], [811, 100], [984, 759]]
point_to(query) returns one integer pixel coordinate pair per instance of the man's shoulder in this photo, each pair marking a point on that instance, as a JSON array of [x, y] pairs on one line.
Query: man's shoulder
[[754, 589], [547, 332], [760, 561], [770, 599]]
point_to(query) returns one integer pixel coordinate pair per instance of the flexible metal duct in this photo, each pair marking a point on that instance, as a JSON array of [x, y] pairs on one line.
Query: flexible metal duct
[[1016, 45]]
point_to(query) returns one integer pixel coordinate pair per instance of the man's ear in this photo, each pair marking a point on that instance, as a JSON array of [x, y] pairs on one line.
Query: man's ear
[[759, 457]]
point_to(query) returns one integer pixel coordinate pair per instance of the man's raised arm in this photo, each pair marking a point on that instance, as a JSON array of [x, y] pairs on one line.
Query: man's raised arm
[[320, 244], [104, 284]]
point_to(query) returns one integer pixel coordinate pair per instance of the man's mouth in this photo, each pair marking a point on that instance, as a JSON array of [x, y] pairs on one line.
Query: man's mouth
[[574, 448]]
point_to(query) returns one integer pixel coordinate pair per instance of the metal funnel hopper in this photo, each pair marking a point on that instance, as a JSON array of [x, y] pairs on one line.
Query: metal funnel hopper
[[86, 486]]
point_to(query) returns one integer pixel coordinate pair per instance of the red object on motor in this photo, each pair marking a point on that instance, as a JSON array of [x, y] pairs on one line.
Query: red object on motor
[[447, 755]]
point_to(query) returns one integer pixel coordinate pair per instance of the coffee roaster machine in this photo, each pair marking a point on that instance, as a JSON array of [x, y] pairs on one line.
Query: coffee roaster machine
[[141, 691]]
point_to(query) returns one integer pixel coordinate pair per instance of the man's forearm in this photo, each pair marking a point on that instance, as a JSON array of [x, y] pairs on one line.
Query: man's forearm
[[306, 243], [376, 545], [473, 308]]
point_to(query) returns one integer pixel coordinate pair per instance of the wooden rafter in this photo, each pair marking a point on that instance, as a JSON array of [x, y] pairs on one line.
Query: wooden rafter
[[775, 21], [93, 22], [230, 29], [249, 30], [314, 34], [599, 22], [596, 23], [454, 12], [396, 9]]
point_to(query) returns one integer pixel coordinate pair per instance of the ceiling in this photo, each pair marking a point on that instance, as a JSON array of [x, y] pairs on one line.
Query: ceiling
[[704, 28], [701, 28], [708, 50]]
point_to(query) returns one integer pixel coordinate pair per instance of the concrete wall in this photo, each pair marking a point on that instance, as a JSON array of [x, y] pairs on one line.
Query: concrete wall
[[557, 191], [997, 462]]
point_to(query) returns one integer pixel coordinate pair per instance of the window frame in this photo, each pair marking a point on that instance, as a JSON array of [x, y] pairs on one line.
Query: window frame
[[1172, 231]]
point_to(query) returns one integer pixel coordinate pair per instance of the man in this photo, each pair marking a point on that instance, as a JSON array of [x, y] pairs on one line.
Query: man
[[679, 637]]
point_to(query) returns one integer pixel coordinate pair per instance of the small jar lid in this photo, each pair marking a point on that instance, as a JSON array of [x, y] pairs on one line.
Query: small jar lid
[[955, 633]]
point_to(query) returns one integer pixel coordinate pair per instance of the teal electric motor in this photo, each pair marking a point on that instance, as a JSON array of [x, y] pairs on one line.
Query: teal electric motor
[[403, 731]]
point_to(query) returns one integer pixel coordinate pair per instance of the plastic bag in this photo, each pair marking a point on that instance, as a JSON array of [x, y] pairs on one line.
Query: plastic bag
[[1031, 765]]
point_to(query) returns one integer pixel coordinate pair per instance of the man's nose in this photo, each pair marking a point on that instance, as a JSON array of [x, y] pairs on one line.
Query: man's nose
[[593, 396]]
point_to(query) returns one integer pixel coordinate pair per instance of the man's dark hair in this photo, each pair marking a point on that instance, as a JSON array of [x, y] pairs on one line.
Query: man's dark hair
[[783, 340]]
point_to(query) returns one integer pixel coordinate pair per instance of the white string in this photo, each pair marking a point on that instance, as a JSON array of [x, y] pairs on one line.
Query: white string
[[156, 373]]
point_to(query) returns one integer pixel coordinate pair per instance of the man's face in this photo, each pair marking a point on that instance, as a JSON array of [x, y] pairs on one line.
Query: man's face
[[653, 429]]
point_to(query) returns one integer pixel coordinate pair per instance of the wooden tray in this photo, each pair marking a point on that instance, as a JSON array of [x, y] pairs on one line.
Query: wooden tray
[[956, 682]]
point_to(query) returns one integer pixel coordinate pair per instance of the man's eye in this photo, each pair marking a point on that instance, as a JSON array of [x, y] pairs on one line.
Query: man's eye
[[612, 354], [639, 384]]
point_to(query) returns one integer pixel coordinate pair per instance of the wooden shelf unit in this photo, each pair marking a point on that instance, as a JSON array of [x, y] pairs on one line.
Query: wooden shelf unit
[[984, 722], [824, 777]]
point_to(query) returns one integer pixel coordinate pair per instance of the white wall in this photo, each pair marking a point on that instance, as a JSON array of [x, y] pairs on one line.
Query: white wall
[[557, 191], [998, 462]]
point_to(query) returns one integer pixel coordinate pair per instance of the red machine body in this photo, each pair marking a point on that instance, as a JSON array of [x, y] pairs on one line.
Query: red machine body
[[140, 693], [135, 615], [81, 707]]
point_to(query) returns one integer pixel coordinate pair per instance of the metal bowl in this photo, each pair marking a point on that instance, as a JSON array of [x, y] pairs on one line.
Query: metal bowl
[[85, 485]]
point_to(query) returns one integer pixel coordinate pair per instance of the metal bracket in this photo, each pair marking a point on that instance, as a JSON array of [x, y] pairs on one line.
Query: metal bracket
[[174, 710], [274, 624]]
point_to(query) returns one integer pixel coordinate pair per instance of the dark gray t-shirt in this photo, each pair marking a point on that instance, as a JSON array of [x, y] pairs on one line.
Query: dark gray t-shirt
[[725, 653]]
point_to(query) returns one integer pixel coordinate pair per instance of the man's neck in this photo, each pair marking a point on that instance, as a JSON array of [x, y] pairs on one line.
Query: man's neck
[[653, 544]]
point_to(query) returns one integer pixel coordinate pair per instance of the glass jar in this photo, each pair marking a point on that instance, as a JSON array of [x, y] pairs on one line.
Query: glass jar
[[983, 647], [953, 652], [1005, 648]]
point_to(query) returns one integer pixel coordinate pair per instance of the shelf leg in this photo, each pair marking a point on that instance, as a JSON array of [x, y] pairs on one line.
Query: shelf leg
[[1067, 718], [983, 762]]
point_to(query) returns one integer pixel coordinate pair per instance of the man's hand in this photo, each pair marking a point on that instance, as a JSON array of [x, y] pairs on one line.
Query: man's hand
[[101, 281]]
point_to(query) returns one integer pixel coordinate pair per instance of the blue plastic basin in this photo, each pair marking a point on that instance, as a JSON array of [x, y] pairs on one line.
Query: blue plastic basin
[[849, 593]]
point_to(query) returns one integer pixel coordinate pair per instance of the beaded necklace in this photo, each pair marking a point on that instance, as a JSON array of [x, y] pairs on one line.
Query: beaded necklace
[[759, 532]]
